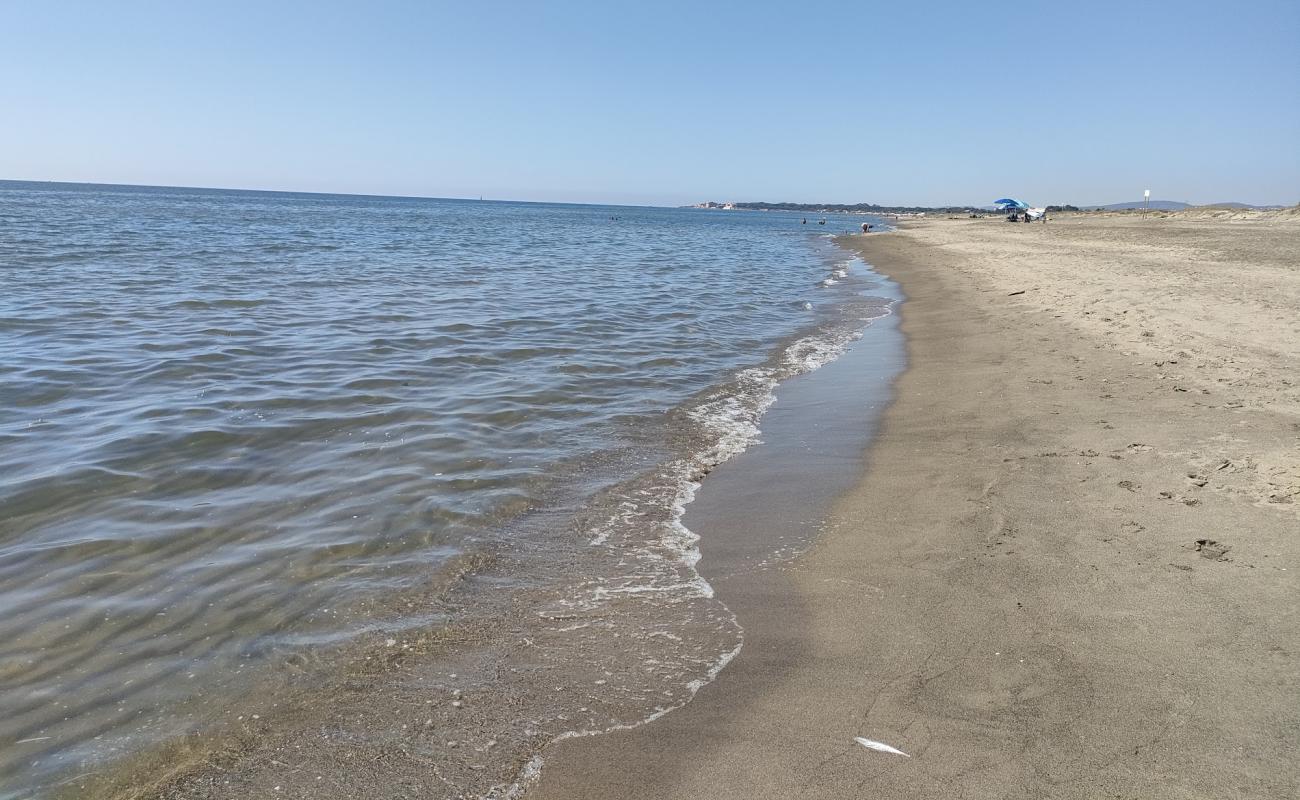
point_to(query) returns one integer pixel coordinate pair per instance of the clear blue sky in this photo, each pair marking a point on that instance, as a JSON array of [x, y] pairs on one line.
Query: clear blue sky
[[661, 102]]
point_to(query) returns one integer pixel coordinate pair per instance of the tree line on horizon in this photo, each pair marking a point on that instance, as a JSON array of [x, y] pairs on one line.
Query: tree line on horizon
[[871, 208]]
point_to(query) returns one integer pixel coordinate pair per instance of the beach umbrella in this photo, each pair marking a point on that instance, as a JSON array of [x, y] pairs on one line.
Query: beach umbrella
[[1012, 203]]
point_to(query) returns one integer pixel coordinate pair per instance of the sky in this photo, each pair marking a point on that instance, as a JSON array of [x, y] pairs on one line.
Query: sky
[[662, 103]]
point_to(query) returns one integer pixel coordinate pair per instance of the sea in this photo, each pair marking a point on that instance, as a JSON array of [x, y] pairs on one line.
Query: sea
[[373, 474]]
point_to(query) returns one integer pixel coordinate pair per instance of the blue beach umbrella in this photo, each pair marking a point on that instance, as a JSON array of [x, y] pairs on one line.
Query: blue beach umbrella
[[1010, 203]]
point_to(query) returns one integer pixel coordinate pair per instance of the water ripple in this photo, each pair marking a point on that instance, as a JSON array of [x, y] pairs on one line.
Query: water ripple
[[228, 418]]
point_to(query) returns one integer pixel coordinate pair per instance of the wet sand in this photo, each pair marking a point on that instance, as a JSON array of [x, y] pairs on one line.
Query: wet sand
[[1070, 568]]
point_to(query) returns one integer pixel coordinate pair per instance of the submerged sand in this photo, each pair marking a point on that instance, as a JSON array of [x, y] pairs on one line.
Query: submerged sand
[[1070, 569]]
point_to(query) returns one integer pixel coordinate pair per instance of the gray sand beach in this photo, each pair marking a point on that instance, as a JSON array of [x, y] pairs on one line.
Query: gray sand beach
[[1070, 568]]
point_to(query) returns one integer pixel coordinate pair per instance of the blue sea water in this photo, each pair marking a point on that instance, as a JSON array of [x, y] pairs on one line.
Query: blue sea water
[[235, 425]]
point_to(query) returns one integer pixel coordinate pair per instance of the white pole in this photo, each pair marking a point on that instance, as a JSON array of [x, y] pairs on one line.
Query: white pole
[[1146, 202]]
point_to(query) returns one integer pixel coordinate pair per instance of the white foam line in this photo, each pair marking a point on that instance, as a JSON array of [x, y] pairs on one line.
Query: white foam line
[[527, 776], [601, 592], [579, 626], [737, 428], [533, 769], [693, 687]]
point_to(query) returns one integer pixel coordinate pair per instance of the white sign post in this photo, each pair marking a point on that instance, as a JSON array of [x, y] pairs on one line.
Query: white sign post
[[1146, 201]]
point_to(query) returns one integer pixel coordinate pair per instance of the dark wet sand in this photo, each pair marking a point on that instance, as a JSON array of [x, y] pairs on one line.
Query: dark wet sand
[[1014, 593]]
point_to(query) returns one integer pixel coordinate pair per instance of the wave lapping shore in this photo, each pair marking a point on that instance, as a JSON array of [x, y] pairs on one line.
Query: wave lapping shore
[[325, 481], [1070, 568]]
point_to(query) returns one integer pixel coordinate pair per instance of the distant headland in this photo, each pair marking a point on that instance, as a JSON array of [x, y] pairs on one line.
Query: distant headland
[[874, 208], [832, 208]]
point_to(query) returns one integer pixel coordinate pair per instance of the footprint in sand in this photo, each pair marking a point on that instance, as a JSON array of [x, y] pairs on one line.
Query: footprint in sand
[[1213, 550]]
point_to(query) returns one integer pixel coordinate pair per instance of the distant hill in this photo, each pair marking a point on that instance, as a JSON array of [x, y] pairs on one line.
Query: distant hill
[[1239, 205], [831, 208]]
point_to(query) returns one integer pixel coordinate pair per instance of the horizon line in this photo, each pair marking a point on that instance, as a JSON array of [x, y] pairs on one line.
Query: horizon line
[[481, 199]]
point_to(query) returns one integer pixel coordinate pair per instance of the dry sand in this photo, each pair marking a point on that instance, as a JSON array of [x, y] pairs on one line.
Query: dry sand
[[1071, 567]]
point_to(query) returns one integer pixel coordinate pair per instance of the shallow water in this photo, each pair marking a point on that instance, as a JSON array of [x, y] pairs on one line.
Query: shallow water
[[235, 425]]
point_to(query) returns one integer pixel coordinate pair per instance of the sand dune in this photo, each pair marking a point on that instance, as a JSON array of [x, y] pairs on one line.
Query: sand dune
[[1210, 212]]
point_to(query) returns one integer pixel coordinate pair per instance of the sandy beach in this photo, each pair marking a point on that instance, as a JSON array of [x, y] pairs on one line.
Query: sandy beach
[[585, 403], [1070, 567]]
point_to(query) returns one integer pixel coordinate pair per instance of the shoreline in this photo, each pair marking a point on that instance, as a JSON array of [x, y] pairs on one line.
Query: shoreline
[[372, 697], [1058, 576]]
